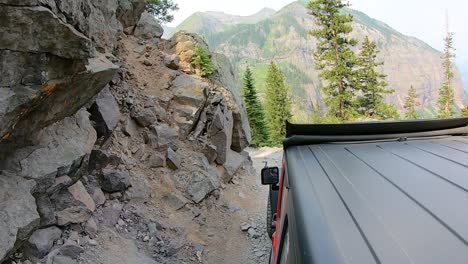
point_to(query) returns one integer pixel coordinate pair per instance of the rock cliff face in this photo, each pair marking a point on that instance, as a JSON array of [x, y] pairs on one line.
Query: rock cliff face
[[283, 37], [90, 114]]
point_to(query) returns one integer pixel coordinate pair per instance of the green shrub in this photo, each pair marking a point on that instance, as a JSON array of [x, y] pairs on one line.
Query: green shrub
[[162, 9], [201, 60]]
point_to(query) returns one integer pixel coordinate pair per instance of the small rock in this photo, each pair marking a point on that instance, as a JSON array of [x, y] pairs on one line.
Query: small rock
[[92, 242], [115, 196], [245, 227], [172, 61], [173, 160], [152, 228], [145, 117], [259, 254], [147, 62], [121, 222], [156, 161], [41, 241], [79, 192], [146, 239], [73, 215], [91, 228], [253, 233]]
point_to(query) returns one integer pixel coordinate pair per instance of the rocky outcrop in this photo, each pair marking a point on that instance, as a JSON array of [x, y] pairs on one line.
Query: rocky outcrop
[[86, 135]]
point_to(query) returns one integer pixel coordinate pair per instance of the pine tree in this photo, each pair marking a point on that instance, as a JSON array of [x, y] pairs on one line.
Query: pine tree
[[277, 105], [254, 111], [334, 56], [372, 84], [411, 103], [446, 100], [465, 112]]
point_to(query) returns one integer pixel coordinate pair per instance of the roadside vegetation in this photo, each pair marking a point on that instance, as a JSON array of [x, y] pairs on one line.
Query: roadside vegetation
[[202, 62]]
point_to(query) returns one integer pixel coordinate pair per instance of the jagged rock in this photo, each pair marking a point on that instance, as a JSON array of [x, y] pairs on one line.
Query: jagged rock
[[105, 113], [172, 61], [189, 100], [145, 116], [234, 162], [197, 179], [166, 136], [220, 132], [91, 228], [18, 213], [175, 200], [73, 215], [67, 253], [57, 38], [148, 27], [130, 128], [100, 159], [61, 148], [114, 180], [173, 160], [156, 161], [129, 12], [98, 196], [211, 153], [78, 191], [42, 240], [60, 183]]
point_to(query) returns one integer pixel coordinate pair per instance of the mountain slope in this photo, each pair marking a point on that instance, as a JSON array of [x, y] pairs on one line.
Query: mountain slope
[[211, 22], [284, 38]]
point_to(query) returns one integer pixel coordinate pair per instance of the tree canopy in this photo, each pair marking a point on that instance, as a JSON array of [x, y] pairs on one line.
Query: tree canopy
[[162, 9]]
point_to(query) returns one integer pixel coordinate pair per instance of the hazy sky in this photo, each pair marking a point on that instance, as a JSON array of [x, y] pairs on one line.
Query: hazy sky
[[424, 19]]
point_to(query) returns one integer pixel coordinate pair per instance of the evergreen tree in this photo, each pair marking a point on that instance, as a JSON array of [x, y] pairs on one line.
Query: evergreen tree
[[446, 100], [254, 111], [334, 56], [465, 112], [277, 104], [202, 62], [372, 84], [411, 103], [162, 9]]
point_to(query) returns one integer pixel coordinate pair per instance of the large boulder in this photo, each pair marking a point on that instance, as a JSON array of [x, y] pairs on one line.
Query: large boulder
[[220, 131], [129, 12], [190, 94], [105, 113], [18, 213], [197, 178], [148, 27], [60, 149]]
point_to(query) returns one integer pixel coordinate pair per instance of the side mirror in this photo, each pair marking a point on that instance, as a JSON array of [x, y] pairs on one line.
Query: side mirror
[[270, 176]]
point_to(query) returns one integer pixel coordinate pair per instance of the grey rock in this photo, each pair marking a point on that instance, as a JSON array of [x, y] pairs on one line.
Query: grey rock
[[148, 27], [252, 233], [91, 228], [245, 227], [105, 113], [166, 136], [173, 160], [211, 153], [114, 180], [197, 179], [176, 201], [18, 213], [42, 240], [140, 187], [73, 215], [61, 146], [172, 61], [220, 132], [234, 161], [100, 159], [190, 96], [98, 196], [145, 116], [110, 214], [156, 160], [130, 128], [62, 260], [57, 37], [129, 12], [147, 62]]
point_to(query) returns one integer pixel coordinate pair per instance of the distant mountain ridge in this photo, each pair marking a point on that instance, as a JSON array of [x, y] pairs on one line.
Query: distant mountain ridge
[[283, 37]]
